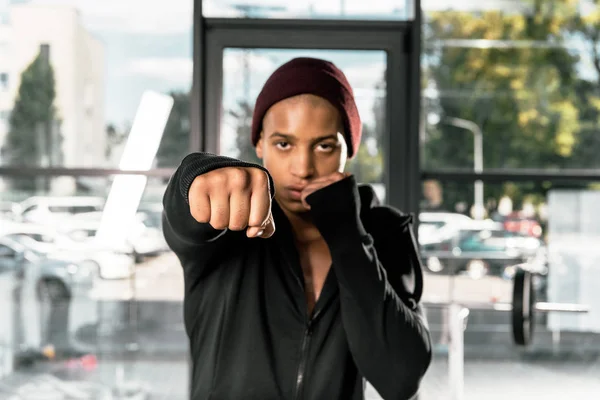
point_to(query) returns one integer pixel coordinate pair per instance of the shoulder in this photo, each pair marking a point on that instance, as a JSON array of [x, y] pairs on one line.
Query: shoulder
[[379, 217]]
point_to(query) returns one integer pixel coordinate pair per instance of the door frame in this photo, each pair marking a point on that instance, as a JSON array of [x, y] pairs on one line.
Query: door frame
[[399, 39]]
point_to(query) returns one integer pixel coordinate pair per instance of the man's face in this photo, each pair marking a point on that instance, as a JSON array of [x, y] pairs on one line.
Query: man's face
[[302, 139]]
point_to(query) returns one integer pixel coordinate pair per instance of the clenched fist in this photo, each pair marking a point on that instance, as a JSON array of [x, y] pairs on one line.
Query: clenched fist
[[233, 198]]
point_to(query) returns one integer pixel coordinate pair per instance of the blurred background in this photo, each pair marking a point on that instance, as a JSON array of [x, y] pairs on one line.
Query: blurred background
[[480, 118]]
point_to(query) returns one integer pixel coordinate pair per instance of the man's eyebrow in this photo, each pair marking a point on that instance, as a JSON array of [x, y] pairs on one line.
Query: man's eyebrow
[[333, 136], [290, 137], [282, 135]]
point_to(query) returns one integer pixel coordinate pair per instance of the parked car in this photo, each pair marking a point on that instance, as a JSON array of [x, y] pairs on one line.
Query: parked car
[[480, 249], [525, 226], [108, 263], [57, 284], [65, 276], [8, 210], [84, 232], [144, 237], [432, 224], [52, 210], [151, 214]]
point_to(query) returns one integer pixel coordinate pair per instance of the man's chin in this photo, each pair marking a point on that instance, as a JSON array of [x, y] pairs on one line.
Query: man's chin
[[293, 206]]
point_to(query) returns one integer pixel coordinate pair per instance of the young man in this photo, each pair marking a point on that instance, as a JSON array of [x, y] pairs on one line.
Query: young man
[[290, 299]]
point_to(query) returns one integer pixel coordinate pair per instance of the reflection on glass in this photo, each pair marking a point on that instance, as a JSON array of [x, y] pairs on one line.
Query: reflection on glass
[[525, 81], [310, 9], [69, 89], [247, 70], [86, 307], [547, 228]]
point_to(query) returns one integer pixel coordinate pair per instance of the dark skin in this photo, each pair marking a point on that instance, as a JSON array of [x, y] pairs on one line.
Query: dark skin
[[303, 147]]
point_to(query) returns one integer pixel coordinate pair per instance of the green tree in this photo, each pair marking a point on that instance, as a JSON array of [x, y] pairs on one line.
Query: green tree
[[33, 138], [175, 143], [524, 99], [114, 138], [585, 27], [243, 130], [367, 165]]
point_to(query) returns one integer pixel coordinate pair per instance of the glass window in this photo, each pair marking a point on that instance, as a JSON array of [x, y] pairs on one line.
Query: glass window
[[552, 230], [311, 9], [113, 308], [94, 63], [511, 85], [245, 72]]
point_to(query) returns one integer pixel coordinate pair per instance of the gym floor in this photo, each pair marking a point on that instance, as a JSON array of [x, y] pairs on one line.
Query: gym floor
[[153, 353], [496, 380]]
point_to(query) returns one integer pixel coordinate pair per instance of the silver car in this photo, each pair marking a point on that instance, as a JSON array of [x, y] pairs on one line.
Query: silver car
[[47, 293]]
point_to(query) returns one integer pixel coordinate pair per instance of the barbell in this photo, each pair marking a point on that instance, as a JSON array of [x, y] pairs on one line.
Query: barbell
[[523, 308]]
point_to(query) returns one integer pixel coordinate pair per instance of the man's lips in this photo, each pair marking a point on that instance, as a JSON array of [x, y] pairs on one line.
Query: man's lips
[[295, 191]]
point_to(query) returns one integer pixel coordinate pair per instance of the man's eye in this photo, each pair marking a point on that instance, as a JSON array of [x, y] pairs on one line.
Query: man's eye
[[326, 147], [282, 145]]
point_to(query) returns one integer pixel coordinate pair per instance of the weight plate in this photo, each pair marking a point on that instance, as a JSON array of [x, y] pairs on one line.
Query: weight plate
[[523, 310]]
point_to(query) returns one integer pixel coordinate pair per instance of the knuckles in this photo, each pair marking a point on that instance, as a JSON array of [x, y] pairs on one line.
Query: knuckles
[[232, 179], [260, 180], [218, 225], [209, 191], [237, 178], [237, 225], [200, 215]]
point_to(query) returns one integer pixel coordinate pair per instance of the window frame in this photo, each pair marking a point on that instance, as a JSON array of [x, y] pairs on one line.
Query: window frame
[[399, 39]]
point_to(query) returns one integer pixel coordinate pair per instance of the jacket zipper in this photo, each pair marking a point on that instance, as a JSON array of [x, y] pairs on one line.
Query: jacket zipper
[[305, 340], [303, 358], [302, 365]]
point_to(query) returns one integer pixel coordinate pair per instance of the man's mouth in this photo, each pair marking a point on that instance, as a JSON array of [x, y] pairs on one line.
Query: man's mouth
[[295, 192]]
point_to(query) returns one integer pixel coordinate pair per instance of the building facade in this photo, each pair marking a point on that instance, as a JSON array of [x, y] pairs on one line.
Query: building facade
[[78, 62]]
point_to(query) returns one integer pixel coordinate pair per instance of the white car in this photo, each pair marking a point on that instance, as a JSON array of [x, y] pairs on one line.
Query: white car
[[109, 263], [145, 239], [50, 210], [434, 224], [8, 210]]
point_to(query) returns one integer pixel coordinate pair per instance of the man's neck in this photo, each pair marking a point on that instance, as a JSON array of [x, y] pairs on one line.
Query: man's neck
[[314, 256], [305, 231]]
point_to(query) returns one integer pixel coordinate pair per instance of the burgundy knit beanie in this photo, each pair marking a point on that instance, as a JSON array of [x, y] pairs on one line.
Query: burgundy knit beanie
[[310, 76]]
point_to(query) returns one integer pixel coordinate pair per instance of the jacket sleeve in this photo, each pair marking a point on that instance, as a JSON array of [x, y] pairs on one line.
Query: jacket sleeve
[[389, 340], [195, 244]]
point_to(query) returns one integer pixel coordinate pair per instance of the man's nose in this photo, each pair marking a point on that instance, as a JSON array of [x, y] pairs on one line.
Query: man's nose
[[303, 164]]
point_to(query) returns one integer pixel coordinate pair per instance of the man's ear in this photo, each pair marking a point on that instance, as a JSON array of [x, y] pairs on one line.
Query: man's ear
[[259, 147]]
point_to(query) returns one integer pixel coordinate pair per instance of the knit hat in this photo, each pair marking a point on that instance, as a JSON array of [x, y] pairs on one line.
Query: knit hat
[[310, 76]]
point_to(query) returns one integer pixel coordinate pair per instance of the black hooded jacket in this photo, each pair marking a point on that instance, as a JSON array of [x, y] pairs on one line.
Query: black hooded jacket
[[245, 310]]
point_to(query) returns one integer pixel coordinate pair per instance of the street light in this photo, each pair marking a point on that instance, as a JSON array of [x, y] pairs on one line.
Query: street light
[[479, 210]]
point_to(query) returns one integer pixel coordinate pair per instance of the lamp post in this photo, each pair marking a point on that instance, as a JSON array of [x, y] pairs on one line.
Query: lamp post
[[477, 159], [471, 126]]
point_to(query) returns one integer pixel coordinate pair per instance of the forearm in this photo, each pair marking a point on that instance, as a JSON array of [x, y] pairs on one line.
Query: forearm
[[389, 341]]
